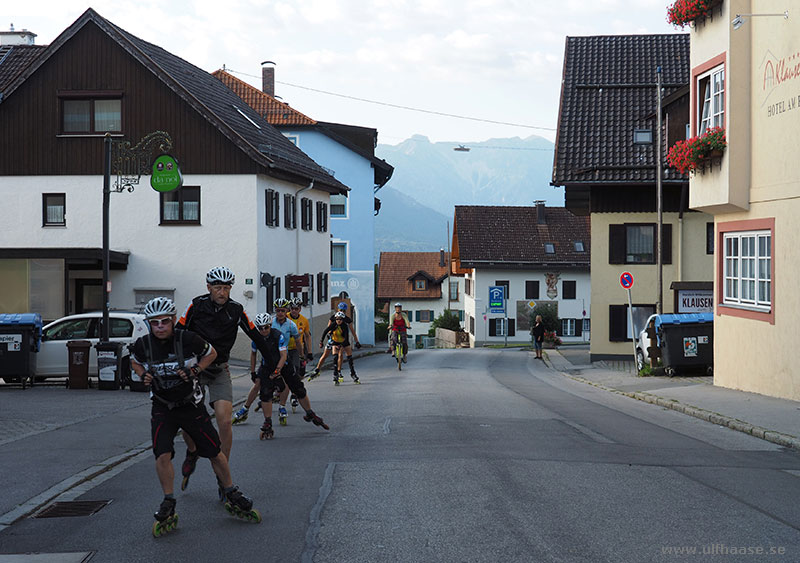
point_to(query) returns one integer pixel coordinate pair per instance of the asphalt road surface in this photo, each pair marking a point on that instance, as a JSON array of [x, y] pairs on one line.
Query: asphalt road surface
[[465, 455]]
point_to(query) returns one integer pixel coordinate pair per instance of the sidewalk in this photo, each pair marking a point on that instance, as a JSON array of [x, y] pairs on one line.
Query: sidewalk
[[768, 418]]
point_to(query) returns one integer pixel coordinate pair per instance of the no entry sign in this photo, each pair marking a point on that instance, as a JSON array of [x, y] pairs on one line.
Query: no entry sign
[[626, 280]]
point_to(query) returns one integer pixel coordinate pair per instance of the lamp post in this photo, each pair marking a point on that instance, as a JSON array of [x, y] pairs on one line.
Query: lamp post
[[659, 198]]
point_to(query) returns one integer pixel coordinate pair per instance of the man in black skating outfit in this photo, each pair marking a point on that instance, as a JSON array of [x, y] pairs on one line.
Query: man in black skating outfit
[[169, 361]]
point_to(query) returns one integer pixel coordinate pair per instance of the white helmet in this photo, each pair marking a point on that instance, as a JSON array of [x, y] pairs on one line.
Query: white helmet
[[281, 303], [220, 276], [339, 315], [158, 307], [398, 305], [262, 320], [295, 302]]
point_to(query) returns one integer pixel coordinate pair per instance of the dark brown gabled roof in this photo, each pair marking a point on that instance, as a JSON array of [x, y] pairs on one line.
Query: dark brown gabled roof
[[512, 238], [217, 104], [608, 89], [14, 59], [397, 270]]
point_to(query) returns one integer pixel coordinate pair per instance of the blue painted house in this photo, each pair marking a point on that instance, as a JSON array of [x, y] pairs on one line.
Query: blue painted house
[[348, 154]]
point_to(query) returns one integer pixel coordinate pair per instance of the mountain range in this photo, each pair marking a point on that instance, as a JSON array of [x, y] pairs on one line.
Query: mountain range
[[430, 179]]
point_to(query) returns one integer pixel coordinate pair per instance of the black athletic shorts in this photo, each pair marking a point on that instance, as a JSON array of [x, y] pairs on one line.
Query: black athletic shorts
[[164, 424], [268, 385]]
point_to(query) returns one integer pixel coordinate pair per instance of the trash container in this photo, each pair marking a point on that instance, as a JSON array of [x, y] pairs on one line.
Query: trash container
[[78, 352], [20, 336], [109, 365], [687, 342]]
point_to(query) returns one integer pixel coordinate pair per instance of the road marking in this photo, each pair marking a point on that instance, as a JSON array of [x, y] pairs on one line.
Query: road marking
[[387, 425], [312, 535]]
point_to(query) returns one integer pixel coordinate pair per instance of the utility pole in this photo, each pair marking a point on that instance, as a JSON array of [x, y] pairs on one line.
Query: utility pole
[[659, 198], [106, 252]]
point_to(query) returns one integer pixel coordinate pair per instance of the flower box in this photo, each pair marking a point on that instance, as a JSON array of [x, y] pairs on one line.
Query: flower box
[[687, 156], [684, 12]]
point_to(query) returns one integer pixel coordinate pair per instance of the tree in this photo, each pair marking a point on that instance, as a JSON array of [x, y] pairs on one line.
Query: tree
[[448, 319], [549, 313]]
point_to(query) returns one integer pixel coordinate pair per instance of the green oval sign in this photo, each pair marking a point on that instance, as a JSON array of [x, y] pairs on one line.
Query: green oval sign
[[166, 174]]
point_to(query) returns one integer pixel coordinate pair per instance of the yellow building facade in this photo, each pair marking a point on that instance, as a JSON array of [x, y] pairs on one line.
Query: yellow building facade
[[746, 77]]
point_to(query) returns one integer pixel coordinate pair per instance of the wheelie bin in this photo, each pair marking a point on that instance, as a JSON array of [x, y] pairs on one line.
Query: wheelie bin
[[687, 342], [20, 336], [78, 352]]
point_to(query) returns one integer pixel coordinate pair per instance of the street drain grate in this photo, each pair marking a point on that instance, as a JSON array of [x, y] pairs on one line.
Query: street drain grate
[[72, 508]]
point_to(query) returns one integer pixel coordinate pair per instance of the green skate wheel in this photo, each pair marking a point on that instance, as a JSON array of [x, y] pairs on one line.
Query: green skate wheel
[[157, 529], [254, 516]]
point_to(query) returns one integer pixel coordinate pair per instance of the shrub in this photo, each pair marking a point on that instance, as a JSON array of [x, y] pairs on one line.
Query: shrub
[[549, 313], [448, 319]]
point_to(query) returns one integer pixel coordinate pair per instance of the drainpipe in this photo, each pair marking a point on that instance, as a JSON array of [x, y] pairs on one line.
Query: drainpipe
[[679, 263], [297, 269]]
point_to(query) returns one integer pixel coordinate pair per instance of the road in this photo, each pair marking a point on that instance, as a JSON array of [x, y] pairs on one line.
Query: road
[[465, 455]]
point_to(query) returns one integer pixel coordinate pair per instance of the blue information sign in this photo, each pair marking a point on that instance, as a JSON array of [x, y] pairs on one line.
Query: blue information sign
[[497, 296]]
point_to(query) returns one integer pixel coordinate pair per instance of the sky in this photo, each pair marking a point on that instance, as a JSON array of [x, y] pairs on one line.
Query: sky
[[496, 62]]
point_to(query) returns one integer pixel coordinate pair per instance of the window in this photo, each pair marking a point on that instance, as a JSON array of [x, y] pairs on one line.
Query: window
[[91, 115], [472, 325], [634, 243], [620, 324], [454, 292], [289, 211], [497, 327], [748, 269], [322, 217], [142, 296], [578, 244], [273, 205], [505, 284], [338, 256], [322, 287], [338, 205], [468, 287], [568, 289], [68, 330], [306, 214], [181, 206], [294, 139], [568, 327], [420, 285], [549, 248], [531, 289], [711, 99], [54, 210], [424, 316], [709, 238], [587, 326]]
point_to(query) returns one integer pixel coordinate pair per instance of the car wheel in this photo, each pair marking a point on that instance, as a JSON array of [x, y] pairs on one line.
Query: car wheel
[[639, 360]]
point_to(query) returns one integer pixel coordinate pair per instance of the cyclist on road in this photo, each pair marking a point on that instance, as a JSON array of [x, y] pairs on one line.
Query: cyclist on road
[[398, 328]]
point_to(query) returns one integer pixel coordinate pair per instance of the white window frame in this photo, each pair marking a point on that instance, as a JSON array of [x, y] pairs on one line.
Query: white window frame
[[346, 257], [338, 200], [711, 99], [293, 138], [567, 327], [747, 269], [501, 326]]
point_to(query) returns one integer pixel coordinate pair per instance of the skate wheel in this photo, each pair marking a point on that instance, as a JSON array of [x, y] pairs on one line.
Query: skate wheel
[[263, 436], [157, 529], [254, 516], [184, 483]]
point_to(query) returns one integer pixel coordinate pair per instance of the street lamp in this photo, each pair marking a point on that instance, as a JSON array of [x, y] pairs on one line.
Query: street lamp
[[739, 20]]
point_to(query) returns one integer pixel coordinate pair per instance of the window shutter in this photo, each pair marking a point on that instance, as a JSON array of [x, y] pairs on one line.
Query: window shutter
[[666, 243], [511, 327], [578, 326], [616, 244], [430, 315], [417, 317], [560, 328], [531, 289], [617, 323], [492, 327]]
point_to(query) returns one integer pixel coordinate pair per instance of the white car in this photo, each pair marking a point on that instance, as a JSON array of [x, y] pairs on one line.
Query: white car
[[643, 343], [52, 360]]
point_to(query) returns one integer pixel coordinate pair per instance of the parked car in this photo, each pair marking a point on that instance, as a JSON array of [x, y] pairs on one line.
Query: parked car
[[53, 360], [643, 343]]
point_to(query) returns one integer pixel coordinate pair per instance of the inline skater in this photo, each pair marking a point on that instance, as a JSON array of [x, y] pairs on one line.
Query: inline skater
[[342, 308], [302, 349], [292, 335], [398, 328], [340, 337], [217, 318], [170, 360]]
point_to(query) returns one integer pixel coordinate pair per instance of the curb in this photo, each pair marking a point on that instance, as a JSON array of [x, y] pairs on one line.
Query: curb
[[779, 438]]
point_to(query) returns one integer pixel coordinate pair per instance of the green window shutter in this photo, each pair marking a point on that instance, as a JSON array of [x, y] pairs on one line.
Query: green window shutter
[[417, 317]]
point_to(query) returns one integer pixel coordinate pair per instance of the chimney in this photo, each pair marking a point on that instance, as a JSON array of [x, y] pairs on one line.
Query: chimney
[[540, 219], [441, 257], [14, 37], [268, 78]]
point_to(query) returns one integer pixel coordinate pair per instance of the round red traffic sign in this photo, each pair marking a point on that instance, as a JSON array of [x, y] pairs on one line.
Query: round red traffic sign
[[626, 280]]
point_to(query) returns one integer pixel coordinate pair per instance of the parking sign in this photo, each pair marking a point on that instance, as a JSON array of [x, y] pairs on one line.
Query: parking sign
[[497, 295]]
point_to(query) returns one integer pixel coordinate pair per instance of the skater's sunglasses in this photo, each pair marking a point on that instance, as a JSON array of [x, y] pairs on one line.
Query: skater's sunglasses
[[160, 322], [281, 310]]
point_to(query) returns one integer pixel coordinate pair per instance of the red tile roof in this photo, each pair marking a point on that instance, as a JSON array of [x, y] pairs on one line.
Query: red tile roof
[[275, 112], [512, 237], [398, 270]]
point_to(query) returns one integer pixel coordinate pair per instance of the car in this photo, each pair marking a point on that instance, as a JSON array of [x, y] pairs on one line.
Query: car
[[643, 342], [52, 360]]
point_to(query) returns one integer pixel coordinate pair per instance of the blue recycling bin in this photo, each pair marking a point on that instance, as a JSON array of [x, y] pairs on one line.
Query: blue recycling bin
[[20, 337], [687, 342]]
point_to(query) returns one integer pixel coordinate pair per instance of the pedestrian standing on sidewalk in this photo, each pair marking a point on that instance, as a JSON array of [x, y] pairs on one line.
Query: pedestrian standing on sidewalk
[[169, 360], [538, 336]]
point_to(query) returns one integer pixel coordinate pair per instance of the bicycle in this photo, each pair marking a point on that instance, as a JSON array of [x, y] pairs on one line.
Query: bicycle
[[398, 351]]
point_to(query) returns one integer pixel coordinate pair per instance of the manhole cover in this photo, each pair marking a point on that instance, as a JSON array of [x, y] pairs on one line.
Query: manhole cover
[[72, 508]]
